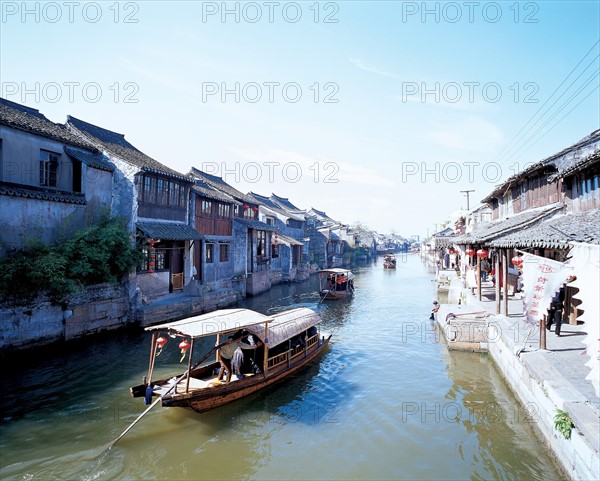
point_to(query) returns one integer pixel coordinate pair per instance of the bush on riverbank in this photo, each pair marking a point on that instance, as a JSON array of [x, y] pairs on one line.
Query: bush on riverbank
[[101, 253]]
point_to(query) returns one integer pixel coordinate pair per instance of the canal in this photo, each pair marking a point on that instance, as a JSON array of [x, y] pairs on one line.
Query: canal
[[387, 401]]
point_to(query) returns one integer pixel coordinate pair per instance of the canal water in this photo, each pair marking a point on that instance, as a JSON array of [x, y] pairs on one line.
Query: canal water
[[387, 401]]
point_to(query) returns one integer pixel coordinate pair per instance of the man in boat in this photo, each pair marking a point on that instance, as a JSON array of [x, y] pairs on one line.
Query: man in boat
[[226, 353]]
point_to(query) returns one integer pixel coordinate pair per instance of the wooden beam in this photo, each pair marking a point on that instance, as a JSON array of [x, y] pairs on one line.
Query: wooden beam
[[478, 277], [497, 275], [505, 275]]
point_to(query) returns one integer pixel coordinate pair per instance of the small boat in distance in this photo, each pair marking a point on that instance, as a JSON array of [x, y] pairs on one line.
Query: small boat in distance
[[336, 283], [389, 261], [287, 341]]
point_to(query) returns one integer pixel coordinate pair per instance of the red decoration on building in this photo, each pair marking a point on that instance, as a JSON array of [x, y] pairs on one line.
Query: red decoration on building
[[482, 253], [470, 251], [517, 261], [245, 206], [255, 209]]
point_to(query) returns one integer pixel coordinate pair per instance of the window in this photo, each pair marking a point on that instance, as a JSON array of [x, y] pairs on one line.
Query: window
[[209, 253], [274, 251], [162, 187], [270, 221], [48, 168], [206, 207], [261, 243], [236, 210], [149, 190], [223, 252], [162, 259], [248, 213], [224, 211]]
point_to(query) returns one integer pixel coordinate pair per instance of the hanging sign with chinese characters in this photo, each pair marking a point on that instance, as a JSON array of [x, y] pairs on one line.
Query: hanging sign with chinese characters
[[541, 279]]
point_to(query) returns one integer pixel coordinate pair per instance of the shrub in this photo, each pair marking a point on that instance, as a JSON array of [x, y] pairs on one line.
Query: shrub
[[101, 253]]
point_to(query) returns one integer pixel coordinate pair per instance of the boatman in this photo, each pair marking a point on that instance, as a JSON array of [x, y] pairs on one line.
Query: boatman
[[226, 353]]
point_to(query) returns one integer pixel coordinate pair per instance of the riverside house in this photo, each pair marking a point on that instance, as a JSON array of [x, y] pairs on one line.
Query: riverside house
[[52, 182], [286, 245], [154, 200], [251, 237]]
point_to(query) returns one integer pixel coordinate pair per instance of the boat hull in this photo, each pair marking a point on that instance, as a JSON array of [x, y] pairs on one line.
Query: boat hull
[[214, 397]]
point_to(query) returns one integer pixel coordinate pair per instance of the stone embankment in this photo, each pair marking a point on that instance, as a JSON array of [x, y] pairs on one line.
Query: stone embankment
[[544, 380]]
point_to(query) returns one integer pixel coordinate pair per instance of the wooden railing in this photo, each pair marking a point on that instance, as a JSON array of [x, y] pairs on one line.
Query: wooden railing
[[287, 356]]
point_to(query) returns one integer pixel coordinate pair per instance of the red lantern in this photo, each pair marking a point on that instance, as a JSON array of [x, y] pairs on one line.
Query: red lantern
[[255, 209], [184, 346], [517, 261], [482, 253], [470, 251], [160, 343], [245, 206]]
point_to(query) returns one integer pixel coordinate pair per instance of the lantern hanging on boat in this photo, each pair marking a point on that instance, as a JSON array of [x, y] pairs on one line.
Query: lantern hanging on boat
[[482, 253], [160, 343], [517, 261], [184, 346], [470, 251]]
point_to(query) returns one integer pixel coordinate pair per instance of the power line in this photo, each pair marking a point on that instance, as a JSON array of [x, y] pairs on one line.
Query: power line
[[466, 192]]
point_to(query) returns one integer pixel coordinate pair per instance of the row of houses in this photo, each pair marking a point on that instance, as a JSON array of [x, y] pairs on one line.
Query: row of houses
[[198, 233]]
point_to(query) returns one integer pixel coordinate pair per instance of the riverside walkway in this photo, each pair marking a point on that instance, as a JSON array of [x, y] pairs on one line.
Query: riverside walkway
[[545, 380]]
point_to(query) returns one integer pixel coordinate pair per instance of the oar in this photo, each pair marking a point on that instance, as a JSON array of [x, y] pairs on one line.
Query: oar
[[177, 381]]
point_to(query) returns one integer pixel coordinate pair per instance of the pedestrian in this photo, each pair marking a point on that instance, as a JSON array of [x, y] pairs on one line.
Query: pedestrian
[[555, 312], [485, 268], [226, 353], [436, 307]]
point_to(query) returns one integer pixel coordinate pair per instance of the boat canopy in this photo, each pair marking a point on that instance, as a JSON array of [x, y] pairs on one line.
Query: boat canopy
[[281, 326], [337, 270]]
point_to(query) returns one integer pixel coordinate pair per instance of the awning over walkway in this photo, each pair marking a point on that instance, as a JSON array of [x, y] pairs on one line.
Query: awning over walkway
[[555, 233], [168, 231]]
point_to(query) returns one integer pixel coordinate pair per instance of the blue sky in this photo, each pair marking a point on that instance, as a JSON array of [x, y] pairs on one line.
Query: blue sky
[[378, 112]]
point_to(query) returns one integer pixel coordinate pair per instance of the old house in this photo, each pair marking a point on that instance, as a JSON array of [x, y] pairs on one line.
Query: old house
[[286, 245], [213, 257], [543, 210], [52, 182], [251, 237], [155, 200]]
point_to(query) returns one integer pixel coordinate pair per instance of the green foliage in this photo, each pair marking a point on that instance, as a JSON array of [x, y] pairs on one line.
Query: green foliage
[[563, 423], [101, 253]]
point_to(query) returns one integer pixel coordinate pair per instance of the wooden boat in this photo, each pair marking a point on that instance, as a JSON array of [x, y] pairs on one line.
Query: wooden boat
[[389, 261], [288, 341], [336, 283]]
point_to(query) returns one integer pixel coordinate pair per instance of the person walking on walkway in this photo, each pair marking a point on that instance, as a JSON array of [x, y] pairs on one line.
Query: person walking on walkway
[[555, 312]]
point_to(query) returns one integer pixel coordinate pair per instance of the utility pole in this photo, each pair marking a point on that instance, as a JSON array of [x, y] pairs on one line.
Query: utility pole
[[466, 192]]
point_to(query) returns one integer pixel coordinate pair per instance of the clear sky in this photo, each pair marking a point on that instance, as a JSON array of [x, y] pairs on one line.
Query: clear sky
[[378, 112]]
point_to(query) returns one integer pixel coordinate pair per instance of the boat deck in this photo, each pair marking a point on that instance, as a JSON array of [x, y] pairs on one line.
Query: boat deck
[[195, 384]]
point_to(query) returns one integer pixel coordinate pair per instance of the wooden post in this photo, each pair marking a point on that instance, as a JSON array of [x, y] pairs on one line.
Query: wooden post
[[152, 356], [505, 276], [479, 277], [498, 276], [266, 354], [187, 381], [543, 332]]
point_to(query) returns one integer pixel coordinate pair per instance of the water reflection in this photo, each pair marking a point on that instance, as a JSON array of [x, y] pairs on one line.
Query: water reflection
[[385, 401]]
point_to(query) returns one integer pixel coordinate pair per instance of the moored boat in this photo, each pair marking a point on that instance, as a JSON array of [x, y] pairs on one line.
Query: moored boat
[[336, 283], [283, 343], [389, 261]]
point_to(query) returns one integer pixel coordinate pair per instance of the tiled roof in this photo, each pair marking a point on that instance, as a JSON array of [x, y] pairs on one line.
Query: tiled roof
[[487, 232], [275, 208], [567, 160], [116, 144], [168, 231], [254, 224], [41, 193], [288, 240], [205, 190], [220, 184], [285, 203], [97, 161], [261, 199], [31, 120], [588, 162], [556, 233]]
